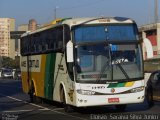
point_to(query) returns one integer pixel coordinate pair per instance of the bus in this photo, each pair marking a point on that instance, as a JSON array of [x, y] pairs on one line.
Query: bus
[[84, 62]]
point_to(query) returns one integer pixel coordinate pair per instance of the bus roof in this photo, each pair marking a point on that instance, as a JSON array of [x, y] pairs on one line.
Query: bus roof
[[95, 20], [78, 21]]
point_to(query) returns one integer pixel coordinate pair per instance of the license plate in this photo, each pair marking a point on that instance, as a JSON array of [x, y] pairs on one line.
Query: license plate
[[113, 100]]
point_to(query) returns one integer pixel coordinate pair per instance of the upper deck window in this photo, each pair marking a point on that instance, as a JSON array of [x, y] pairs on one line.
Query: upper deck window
[[112, 32]]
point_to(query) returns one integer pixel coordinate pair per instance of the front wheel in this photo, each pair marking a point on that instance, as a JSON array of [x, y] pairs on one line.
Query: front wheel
[[67, 108], [149, 97]]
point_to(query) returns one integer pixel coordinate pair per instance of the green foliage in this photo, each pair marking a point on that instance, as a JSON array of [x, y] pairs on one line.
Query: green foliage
[[9, 62]]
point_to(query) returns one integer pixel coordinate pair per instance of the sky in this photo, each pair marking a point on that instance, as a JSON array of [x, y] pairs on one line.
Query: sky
[[43, 11]]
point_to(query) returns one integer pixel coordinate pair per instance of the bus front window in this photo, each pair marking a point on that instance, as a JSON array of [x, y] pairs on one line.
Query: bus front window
[[91, 60], [126, 62], [107, 52], [108, 62]]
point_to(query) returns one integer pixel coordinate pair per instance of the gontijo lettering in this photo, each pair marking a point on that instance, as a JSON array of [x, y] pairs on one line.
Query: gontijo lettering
[[32, 63]]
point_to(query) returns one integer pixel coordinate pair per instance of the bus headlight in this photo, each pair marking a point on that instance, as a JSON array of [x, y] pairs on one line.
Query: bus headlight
[[138, 89], [85, 92]]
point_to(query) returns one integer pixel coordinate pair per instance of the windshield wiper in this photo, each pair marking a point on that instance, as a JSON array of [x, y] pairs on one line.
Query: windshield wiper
[[123, 71], [106, 66]]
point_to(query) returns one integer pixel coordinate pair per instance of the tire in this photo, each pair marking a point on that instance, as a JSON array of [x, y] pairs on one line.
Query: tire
[[67, 108], [31, 93], [121, 108], [33, 97], [149, 97]]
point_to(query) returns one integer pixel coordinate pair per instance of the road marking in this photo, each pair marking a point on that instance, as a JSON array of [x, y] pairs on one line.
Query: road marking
[[19, 100], [24, 110], [15, 111], [54, 110]]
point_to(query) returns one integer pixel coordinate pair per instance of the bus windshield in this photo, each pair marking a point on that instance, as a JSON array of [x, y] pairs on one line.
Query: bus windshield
[[98, 60], [100, 33], [108, 62]]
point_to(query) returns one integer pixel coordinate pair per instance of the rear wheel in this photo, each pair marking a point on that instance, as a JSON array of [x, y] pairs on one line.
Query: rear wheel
[[121, 108], [67, 108], [33, 97], [149, 97]]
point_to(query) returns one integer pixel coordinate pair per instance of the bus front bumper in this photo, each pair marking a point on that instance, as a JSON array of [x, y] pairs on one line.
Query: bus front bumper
[[102, 100]]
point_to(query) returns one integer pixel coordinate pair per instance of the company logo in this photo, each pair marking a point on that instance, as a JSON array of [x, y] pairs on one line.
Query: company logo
[[112, 90]]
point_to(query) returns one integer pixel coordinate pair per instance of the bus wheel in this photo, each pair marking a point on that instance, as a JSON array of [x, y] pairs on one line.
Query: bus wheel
[[121, 108], [33, 97], [67, 108], [149, 97]]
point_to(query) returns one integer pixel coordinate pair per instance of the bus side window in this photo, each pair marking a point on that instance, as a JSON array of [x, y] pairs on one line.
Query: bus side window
[[47, 40], [24, 44], [43, 41], [59, 38], [53, 39], [36, 42], [67, 36], [51, 45], [28, 49], [46, 46], [36, 46], [32, 46], [40, 48], [50, 40], [43, 47], [60, 44], [40, 45], [55, 45]]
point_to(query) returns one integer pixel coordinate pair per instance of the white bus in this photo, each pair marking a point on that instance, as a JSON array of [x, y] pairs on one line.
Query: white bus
[[84, 62]]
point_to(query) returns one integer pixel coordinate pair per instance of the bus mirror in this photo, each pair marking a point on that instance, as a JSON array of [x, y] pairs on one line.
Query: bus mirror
[[69, 51]]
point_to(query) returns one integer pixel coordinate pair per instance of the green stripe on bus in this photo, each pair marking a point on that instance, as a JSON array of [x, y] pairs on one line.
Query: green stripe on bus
[[121, 84], [113, 85], [49, 75]]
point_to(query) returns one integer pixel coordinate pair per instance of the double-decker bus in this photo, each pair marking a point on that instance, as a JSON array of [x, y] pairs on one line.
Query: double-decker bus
[[84, 62]]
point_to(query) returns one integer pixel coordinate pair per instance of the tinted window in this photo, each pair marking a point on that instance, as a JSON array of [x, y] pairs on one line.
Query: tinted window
[[50, 40], [110, 32], [25, 45]]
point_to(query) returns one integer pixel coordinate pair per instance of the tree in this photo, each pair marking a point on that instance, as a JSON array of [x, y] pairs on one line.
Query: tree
[[8, 62]]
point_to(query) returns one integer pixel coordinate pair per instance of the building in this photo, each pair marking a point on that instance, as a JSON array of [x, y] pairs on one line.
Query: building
[[7, 45], [151, 40], [32, 26], [23, 27]]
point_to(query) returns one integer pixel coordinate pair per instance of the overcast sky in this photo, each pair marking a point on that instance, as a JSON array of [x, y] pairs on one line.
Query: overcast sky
[[142, 11]]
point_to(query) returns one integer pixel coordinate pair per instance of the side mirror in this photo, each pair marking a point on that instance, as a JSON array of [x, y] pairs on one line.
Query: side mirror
[[69, 50]]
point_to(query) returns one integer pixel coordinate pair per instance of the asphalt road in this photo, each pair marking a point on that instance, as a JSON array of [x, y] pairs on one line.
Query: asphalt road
[[15, 105]]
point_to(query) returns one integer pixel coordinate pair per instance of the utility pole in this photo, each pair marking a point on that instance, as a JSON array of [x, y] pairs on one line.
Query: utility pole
[[55, 12], [156, 11]]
